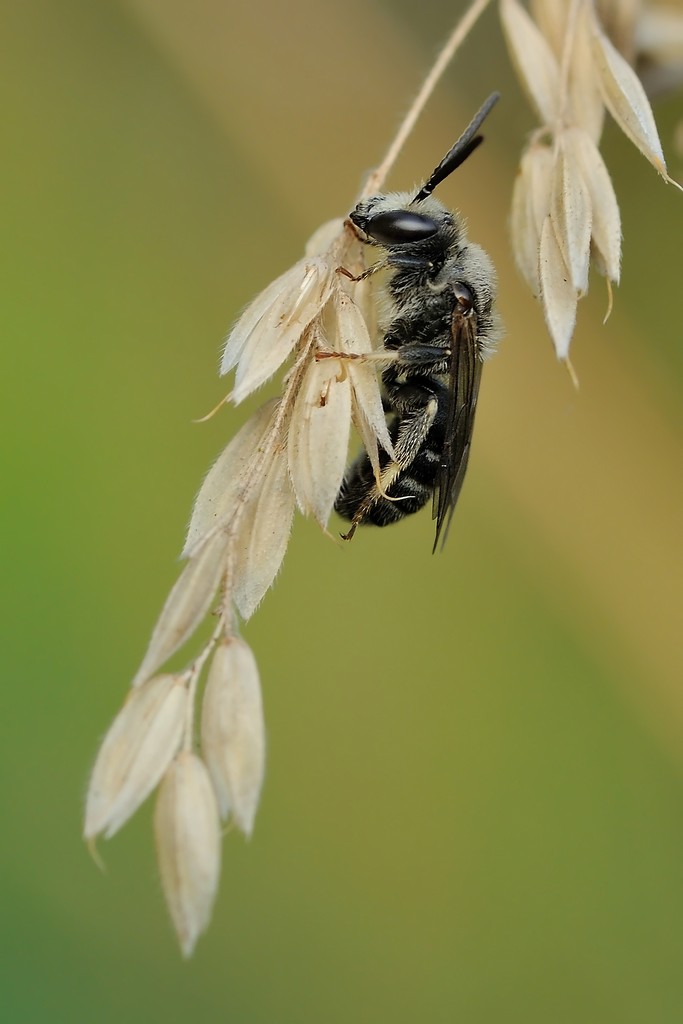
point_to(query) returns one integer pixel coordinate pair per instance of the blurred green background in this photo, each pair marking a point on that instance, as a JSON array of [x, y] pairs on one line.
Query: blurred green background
[[473, 808]]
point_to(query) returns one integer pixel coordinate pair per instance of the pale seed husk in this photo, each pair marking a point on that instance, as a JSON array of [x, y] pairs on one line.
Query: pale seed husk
[[233, 732], [606, 226], [352, 335], [255, 313], [318, 437], [187, 604], [530, 207], [557, 291], [273, 338], [571, 212], [626, 99], [188, 840], [534, 60], [140, 744], [262, 536], [585, 98], [551, 18], [221, 492]]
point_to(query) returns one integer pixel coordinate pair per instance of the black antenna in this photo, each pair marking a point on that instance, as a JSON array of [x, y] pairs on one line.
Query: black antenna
[[458, 153]]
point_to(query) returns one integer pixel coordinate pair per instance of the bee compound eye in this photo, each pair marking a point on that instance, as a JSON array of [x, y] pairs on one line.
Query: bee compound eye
[[396, 227], [464, 296]]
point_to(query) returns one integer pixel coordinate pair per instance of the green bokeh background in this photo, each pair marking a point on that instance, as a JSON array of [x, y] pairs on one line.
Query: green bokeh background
[[473, 809]]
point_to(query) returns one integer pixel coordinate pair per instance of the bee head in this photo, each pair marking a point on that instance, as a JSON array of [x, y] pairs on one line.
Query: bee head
[[390, 220], [399, 219]]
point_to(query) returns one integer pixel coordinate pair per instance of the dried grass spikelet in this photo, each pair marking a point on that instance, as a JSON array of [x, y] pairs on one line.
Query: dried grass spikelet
[[188, 840], [564, 209], [187, 604], [141, 742], [226, 480], [319, 437], [530, 207], [291, 450], [233, 740], [260, 540], [271, 326]]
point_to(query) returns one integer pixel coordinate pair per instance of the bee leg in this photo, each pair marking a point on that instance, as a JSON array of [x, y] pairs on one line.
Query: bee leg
[[379, 356], [416, 407], [366, 273], [362, 497], [419, 356], [408, 356]]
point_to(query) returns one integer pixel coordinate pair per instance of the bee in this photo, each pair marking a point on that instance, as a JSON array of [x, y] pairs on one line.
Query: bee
[[435, 311]]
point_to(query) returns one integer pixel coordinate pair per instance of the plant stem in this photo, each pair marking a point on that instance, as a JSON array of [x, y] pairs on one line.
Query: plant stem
[[452, 44], [193, 674]]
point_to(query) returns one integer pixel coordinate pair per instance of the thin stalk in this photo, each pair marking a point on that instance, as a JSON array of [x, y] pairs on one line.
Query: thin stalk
[[193, 673], [452, 45]]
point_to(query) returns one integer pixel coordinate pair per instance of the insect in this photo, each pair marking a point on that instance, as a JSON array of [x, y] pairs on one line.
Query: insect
[[435, 310]]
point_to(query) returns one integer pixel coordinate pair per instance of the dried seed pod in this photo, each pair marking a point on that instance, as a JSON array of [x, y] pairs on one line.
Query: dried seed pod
[[318, 438], [352, 335], [276, 326], [571, 212], [233, 732], [557, 291], [530, 207], [141, 742], [188, 840], [187, 604], [534, 60], [585, 98], [221, 492], [626, 99], [551, 18], [262, 536], [606, 224]]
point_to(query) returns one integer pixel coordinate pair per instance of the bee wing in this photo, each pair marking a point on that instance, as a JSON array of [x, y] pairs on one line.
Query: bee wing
[[465, 376]]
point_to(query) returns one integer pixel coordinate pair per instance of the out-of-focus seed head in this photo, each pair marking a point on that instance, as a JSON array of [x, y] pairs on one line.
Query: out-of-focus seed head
[[626, 99], [585, 107], [534, 60], [564, 210], [618, 19], [658, 44], [551, 18]]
